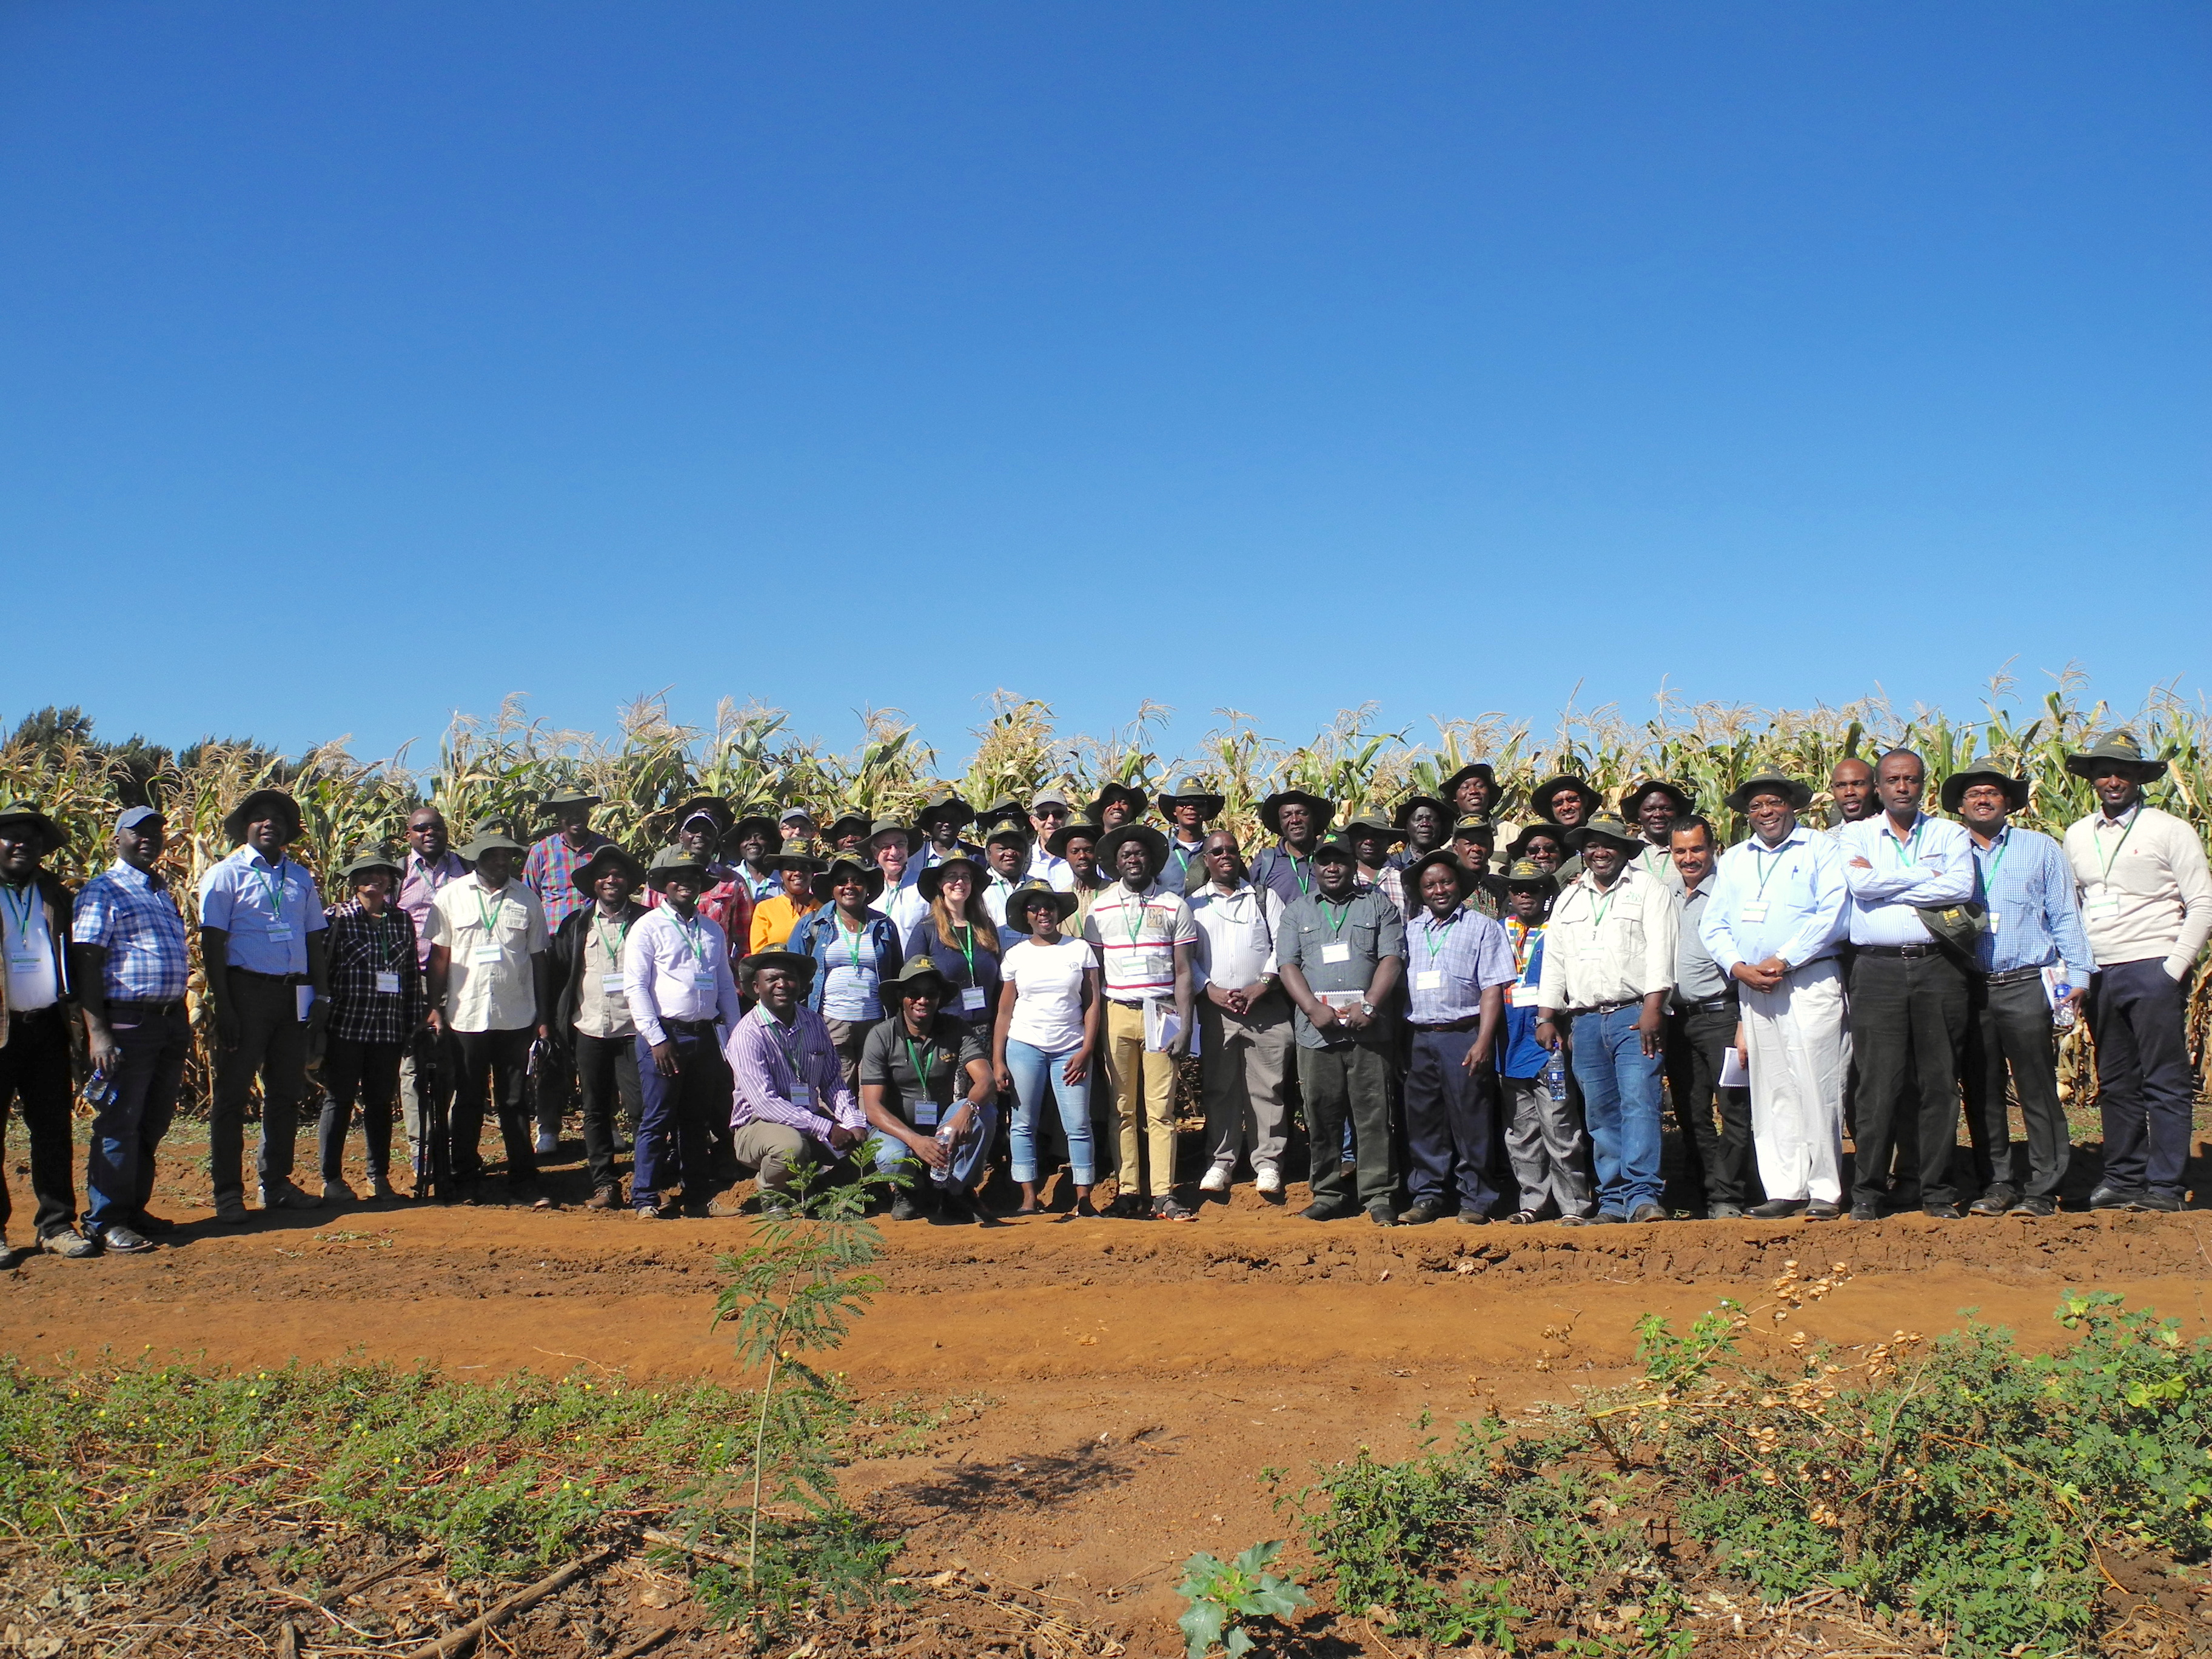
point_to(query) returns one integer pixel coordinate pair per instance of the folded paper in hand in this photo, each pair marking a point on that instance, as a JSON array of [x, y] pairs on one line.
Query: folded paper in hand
[[1734, 1075]]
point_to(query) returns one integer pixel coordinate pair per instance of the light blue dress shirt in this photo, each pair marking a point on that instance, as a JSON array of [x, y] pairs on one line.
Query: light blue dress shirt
[[268, 909], [1784, 901], [2035, 913], [1933, 864]]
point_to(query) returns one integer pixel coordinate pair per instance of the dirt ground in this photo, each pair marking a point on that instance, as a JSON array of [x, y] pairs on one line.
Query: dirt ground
[[1125, 1384]]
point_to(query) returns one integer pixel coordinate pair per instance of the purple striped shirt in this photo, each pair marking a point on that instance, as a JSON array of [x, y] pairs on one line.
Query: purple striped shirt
[[766, 1076]]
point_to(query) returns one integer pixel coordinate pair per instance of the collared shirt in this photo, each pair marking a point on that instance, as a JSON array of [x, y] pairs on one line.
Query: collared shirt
[[1236, 934], [1450, 963], [1338, 947], [602, 988], [1609, 944], [2035, 918], [2144, 888], [1785, 901], [1185, 869], [376, 979], [1659, 864], [1136, 934], [419, 884], [490, 936], [905, 906], [1934, 864], [26, 944], [1698, 977], [996, 890], [268, 909], [550, 872], [674, 969], [1051, 869], [763, 886], [726, 900], [944, 1050], [790, 1074], [1289, 873], [133, 916]]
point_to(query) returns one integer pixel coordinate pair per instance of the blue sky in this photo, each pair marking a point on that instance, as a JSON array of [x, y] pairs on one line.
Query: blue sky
[[361, 363]]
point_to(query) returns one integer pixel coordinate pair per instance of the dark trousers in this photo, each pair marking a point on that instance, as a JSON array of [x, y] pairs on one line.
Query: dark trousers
[[1908, 1026], [119, 1166], [1716, 1164], [494, 1066], [368, 1072], [1349, 1082], [1451, 1123], [34, 1073], [672, 1142], [607, 1074], [2144, 1090], [2011, 1031], [272, 1045]]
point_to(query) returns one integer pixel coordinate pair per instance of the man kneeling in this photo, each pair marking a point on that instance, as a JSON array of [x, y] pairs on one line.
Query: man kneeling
[[911, 1068]]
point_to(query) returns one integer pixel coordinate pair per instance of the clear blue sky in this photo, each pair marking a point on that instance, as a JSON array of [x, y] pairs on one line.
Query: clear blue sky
[[358, 363]]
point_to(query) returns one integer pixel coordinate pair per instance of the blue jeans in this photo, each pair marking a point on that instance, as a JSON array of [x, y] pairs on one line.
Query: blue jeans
[[1033, 1071], [970, 1153], [118, 1166], [1620, 1105]]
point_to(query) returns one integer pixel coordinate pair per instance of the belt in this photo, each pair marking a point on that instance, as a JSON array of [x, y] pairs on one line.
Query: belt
[[1467, 1024], [1710, 1005], [1608, 1007], [274, 979], [692, 1025], [2013, 977], [165, 1006], [46, 1012], [1899, 949]]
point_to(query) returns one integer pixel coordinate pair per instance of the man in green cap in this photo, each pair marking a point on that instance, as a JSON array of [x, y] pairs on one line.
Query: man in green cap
[[1189, 808], [2146, 905], [35, 999]]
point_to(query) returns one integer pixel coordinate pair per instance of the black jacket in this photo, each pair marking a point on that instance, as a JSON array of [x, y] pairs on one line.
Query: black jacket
[[559, 978]]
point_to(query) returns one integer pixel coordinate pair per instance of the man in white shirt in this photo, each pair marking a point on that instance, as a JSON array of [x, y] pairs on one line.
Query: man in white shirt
[[1050, 810], [1243, 1020], [676, 978], [34, 1038], [1610, 961], [2146, 906], [888, 845], [1773, 924], [1909, 992]]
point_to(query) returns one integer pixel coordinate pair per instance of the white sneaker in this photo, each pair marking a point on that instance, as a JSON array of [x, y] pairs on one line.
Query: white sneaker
[[1215, 1180], [548, 1143], [1268, 1180]]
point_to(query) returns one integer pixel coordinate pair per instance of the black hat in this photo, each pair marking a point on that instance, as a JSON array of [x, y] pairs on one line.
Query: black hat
[[1009, 829], [944, 804], [1403, 817], [712, 808], [1057, 843], [1026, 892], [1004, 809], [569, 798], [490, 838], [1271, 810], [1191, 789], [19, 812], [1764, 783], [363, 860], [583, 876], [1419, 867], [872, 876], [1633, 802], [930, 880], [256, 803], [2120, 747], [1604, 826], [919, 970], [855, 822], [1517, 848], [764, 815], [1110, 845], [1336, 847], [1551, 789], [1477, 828], [1133, 794], [1955, 787], [668, 861], [801, 964], [1371, 824], [1522, 873], [1449, 786], [783, 860]]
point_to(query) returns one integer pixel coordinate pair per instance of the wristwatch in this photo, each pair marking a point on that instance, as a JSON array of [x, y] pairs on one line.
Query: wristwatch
[[1367, 1008]]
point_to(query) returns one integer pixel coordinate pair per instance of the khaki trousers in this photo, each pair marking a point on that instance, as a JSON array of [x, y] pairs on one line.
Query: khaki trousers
[[1243, 1058], [1130, 1069]]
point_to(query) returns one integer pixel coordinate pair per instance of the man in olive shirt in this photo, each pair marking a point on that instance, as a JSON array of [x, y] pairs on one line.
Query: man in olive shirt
[[1341, 956], [925, 1086]]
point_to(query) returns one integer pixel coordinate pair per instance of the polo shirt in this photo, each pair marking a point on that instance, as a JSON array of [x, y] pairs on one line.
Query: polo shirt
[[946, 1051], [1136, 934]]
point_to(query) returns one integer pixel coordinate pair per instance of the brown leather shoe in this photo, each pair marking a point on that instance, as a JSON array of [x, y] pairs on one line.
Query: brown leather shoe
[[604, 1198]]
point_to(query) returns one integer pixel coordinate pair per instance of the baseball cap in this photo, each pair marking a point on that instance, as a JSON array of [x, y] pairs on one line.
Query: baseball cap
[[132, 817]]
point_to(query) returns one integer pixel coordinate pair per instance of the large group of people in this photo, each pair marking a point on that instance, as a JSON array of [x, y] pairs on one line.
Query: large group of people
[[1494, 1034]]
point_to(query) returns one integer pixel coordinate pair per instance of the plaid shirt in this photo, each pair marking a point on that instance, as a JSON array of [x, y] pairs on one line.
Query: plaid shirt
[[360, 946], [550, 872], [134, 917]]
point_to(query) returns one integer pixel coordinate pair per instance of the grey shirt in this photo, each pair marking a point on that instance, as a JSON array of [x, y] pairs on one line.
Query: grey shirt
[[1696, 975], [1312, 928]]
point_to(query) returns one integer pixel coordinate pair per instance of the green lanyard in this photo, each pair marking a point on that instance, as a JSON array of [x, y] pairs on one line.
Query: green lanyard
[[691, 934], [490, 919], [1336, 928], [968, 948], [396, 947], [914, 1059], [22, 918], [1305, 886], [1765, 869], [1136, 926], [1523, 936], [775, 1028], [852, 942], [2104, 876], [276, 890], [1428, 934], [1909, 849], [621, 931], [2003, 846], [1598, 907]]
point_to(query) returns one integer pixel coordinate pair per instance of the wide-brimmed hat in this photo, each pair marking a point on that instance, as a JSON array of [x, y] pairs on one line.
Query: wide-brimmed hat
[[1057, 843], [256, 803], [1761, 783], [1517, 848], [586, 874], [762, 815], [1633, 802], [944, 804], [1004, 809], [780, 859], [1009, 831], [569, 798], [1524, 873], [1604, 826], [930, 881], [1419, 867], [712, 808], [671, 861], [1955, 787], [1541, 797], [1192, 790], [1026, 892], [1369, 823], [872, 876], [1133, 794], [1449, 786], [1475, 827], [798, 964], [490, 838], [1271, 810], [1110, 845], [845, 823], [890, 827], [2121, 747], [22, 811], [364, 860], [1403, 817], [917, 971]]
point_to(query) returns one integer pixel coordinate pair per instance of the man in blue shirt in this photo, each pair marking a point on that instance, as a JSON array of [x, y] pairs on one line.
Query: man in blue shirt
[[1457, 967], [261, 942], [2035, 923], [1908, 991]]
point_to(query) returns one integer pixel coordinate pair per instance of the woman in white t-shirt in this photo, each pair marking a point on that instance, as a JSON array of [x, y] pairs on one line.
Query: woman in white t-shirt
[[1046, 1031]]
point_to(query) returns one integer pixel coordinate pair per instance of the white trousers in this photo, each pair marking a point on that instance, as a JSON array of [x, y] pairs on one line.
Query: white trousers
[[1797, 1047]]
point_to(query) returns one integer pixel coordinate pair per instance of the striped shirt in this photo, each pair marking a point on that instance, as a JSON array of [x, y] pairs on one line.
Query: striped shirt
[[133, 916], [1136, 934], [789, 1074], [550, 872], [1450, 963]]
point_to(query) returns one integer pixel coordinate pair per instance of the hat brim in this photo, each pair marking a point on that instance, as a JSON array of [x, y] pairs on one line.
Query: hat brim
[[2084, 766], [802, 965], [1209, 806], [1583, 834], [1738, 800], [362, 867], [1474, 769], [955, 809], [587, 872], [49, 831], [1017, 907], [1421, 865], [1541, 797], [1271, 810], [235, 820], [1057, 843], [922, 972], [1113, 841], [570, 797], [483, 844], [1633, 802], [1404, 815], [872, 879], [661, 875], [931, 881], [1955, 787]]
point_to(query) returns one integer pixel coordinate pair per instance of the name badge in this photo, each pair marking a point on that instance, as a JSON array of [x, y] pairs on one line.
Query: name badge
[[802, 1094], [1336, 953], [1993, 921], [23, 962], [702, 981], [2101, 906], [972, 1000], [486, 956], [387, 983], [280, 935], [1431, 980], [925, 1113], [1755, 911], [610, 985], [1527, 996]]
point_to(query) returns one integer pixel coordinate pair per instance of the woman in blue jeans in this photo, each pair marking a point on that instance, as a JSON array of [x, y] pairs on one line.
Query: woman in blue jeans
[[1045, 1033]]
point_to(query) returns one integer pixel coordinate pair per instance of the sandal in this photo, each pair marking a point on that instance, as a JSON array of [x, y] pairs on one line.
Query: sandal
[[1524, 1217]]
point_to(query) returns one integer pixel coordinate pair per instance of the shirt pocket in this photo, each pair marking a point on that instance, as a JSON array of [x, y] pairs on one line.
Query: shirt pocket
[[1365, 937]]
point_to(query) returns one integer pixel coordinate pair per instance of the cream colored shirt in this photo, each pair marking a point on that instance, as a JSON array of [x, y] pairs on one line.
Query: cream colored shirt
[[602, 1012], [2145, 891], [1612, 945], [492, 936]]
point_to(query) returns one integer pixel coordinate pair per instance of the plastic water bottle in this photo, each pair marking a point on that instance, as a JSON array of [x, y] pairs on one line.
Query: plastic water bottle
[[2062, 1012], [1555, 1074], [99, 1089]]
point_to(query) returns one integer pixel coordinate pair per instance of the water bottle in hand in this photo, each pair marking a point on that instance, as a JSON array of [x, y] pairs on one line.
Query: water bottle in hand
[[1555, 1074]]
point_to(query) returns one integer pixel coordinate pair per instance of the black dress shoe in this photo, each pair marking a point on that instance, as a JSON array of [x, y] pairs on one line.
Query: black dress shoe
[[904, 1207], [2115, 1198], [1998, 1200], [1381, 1215], [1325, 1212], [2164, 1203], [1647, 1212], [1866, 1209], [1724, 1210], [1420, 1214], [1942, 1211], [1606, 1218], [1822, 1209], [2032, 1205], [1777, 1209]]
